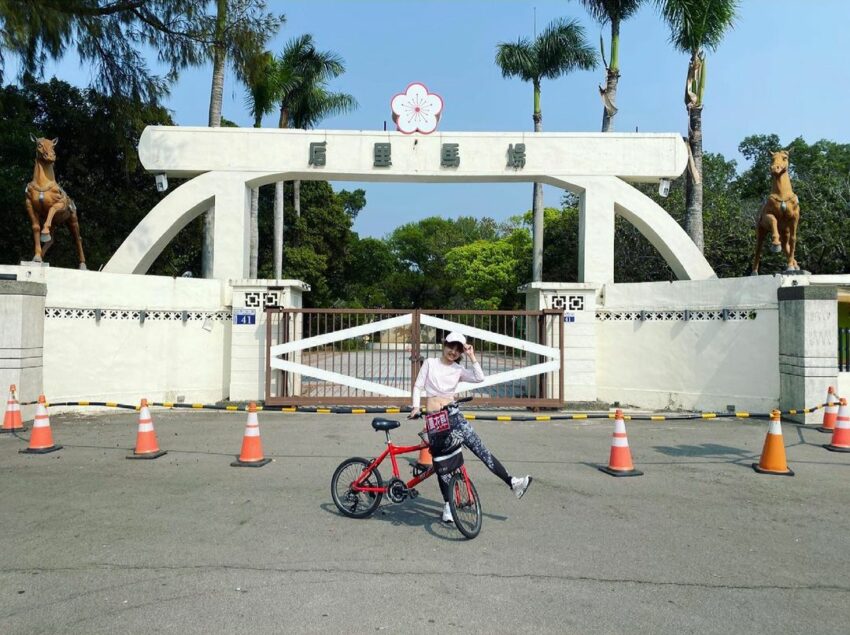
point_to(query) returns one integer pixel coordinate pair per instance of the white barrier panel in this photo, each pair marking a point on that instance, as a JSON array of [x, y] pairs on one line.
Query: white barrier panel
[[552, 354]]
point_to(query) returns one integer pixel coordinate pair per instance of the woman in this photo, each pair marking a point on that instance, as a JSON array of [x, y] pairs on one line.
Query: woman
[[439, 378]]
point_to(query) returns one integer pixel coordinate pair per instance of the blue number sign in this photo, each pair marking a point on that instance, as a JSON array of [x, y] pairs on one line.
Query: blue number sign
[[244, 316]]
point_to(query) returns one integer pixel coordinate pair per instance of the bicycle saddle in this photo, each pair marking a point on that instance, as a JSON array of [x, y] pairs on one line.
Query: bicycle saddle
[[384, 424]]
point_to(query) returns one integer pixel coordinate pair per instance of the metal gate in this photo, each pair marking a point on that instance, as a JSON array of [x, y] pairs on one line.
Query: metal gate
[[372, 356]]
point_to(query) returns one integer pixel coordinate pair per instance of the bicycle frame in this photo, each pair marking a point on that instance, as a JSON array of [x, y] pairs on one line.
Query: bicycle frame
[[392, 451]]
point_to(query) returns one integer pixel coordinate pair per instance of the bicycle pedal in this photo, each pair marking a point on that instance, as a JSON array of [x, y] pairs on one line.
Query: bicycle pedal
[[412, 492]]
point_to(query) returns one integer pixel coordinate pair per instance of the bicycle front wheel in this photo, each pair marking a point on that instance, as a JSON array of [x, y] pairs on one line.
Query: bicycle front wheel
[[349, 502], [465, 505]]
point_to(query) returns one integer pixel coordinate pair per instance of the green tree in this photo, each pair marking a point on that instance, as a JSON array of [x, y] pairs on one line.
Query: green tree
[[560, 49], [560, 255], [560, 239], [319, 245], [371, 273], [696, 26], [106, 34], [612, 12], [484, 273], [421, 249]]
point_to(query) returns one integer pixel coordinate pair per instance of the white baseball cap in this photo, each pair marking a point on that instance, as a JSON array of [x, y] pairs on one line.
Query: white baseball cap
[[454, 336]]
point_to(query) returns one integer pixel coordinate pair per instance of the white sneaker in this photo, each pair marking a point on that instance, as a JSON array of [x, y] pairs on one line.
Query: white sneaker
[[447, 514], [519, 485]]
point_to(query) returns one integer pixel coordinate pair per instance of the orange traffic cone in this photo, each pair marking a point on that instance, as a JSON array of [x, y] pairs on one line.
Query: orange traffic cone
[[841, 437], [41, 439], [252, 448], [773, 454], [620, 461], [830, 411], [425, 461], [146, 445], [12, 421]]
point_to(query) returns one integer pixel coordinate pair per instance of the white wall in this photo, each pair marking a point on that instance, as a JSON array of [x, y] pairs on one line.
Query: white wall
[[844, 385], [703, 363], [118, 358]]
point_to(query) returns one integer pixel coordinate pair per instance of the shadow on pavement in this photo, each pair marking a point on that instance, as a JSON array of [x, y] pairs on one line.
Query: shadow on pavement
[[420, 512]]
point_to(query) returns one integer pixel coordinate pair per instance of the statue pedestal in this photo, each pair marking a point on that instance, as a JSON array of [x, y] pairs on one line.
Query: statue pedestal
[[22, 340]]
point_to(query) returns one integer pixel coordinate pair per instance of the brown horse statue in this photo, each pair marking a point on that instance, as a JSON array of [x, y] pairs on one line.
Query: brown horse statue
[[780, 215], [47, 203]]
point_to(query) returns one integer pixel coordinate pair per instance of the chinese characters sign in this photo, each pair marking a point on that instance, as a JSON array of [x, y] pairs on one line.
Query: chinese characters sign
[[450, 155], [318, 153], [516, 155], [382, 155]]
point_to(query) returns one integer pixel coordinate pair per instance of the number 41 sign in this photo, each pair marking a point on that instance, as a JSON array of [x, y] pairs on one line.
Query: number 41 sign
[[244, 316]]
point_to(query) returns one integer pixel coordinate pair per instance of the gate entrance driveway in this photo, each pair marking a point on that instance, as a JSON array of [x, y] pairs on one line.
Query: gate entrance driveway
[[372, 356]]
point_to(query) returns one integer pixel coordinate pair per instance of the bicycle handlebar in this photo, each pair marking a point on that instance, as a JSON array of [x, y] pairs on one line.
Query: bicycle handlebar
[[455, 403]]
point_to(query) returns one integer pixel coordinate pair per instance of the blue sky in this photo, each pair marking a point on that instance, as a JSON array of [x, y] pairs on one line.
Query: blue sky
[[771, 74]]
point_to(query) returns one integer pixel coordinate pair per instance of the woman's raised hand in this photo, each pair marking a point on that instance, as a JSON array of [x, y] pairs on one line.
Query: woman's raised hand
[[470, 352]]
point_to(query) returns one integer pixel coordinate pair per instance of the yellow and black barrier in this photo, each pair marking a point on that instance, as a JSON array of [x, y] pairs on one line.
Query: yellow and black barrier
[[345, 410]]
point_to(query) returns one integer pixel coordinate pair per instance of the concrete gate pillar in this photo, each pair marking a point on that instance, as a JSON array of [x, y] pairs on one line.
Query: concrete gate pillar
[[577, 301], [248, 335], [22, 340], [596, 232], [808, 348]]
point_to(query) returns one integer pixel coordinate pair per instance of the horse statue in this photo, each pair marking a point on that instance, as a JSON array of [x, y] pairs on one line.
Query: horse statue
[[780, 215], [47, 203]]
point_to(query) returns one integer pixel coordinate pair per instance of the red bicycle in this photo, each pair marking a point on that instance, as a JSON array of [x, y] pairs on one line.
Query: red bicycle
[[357, 487]]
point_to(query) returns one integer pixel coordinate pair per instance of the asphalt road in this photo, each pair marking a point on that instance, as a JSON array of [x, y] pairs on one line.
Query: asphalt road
[[93, 543]]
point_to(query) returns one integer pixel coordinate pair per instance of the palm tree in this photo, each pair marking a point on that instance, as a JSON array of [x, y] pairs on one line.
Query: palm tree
[[311, 103], [258, 75], [696, 25], [301, 79], [613, 12], [237, 31], [561, 48]]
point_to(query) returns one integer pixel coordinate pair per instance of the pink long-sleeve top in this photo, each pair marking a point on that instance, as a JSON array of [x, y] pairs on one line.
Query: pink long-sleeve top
[[440, 380]]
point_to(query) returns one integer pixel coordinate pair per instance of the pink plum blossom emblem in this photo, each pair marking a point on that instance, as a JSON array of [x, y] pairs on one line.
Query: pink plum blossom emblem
[[416, 110]]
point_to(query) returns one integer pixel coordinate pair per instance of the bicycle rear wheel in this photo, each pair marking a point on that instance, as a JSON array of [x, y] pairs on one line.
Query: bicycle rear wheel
[[465, 505], [351, 503]]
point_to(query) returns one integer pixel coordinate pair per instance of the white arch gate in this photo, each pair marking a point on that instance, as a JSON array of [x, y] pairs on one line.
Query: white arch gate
[[227, 162], [223, 164]]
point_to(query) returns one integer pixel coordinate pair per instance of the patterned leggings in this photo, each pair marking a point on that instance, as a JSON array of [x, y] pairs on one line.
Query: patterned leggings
[[470, 438]]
